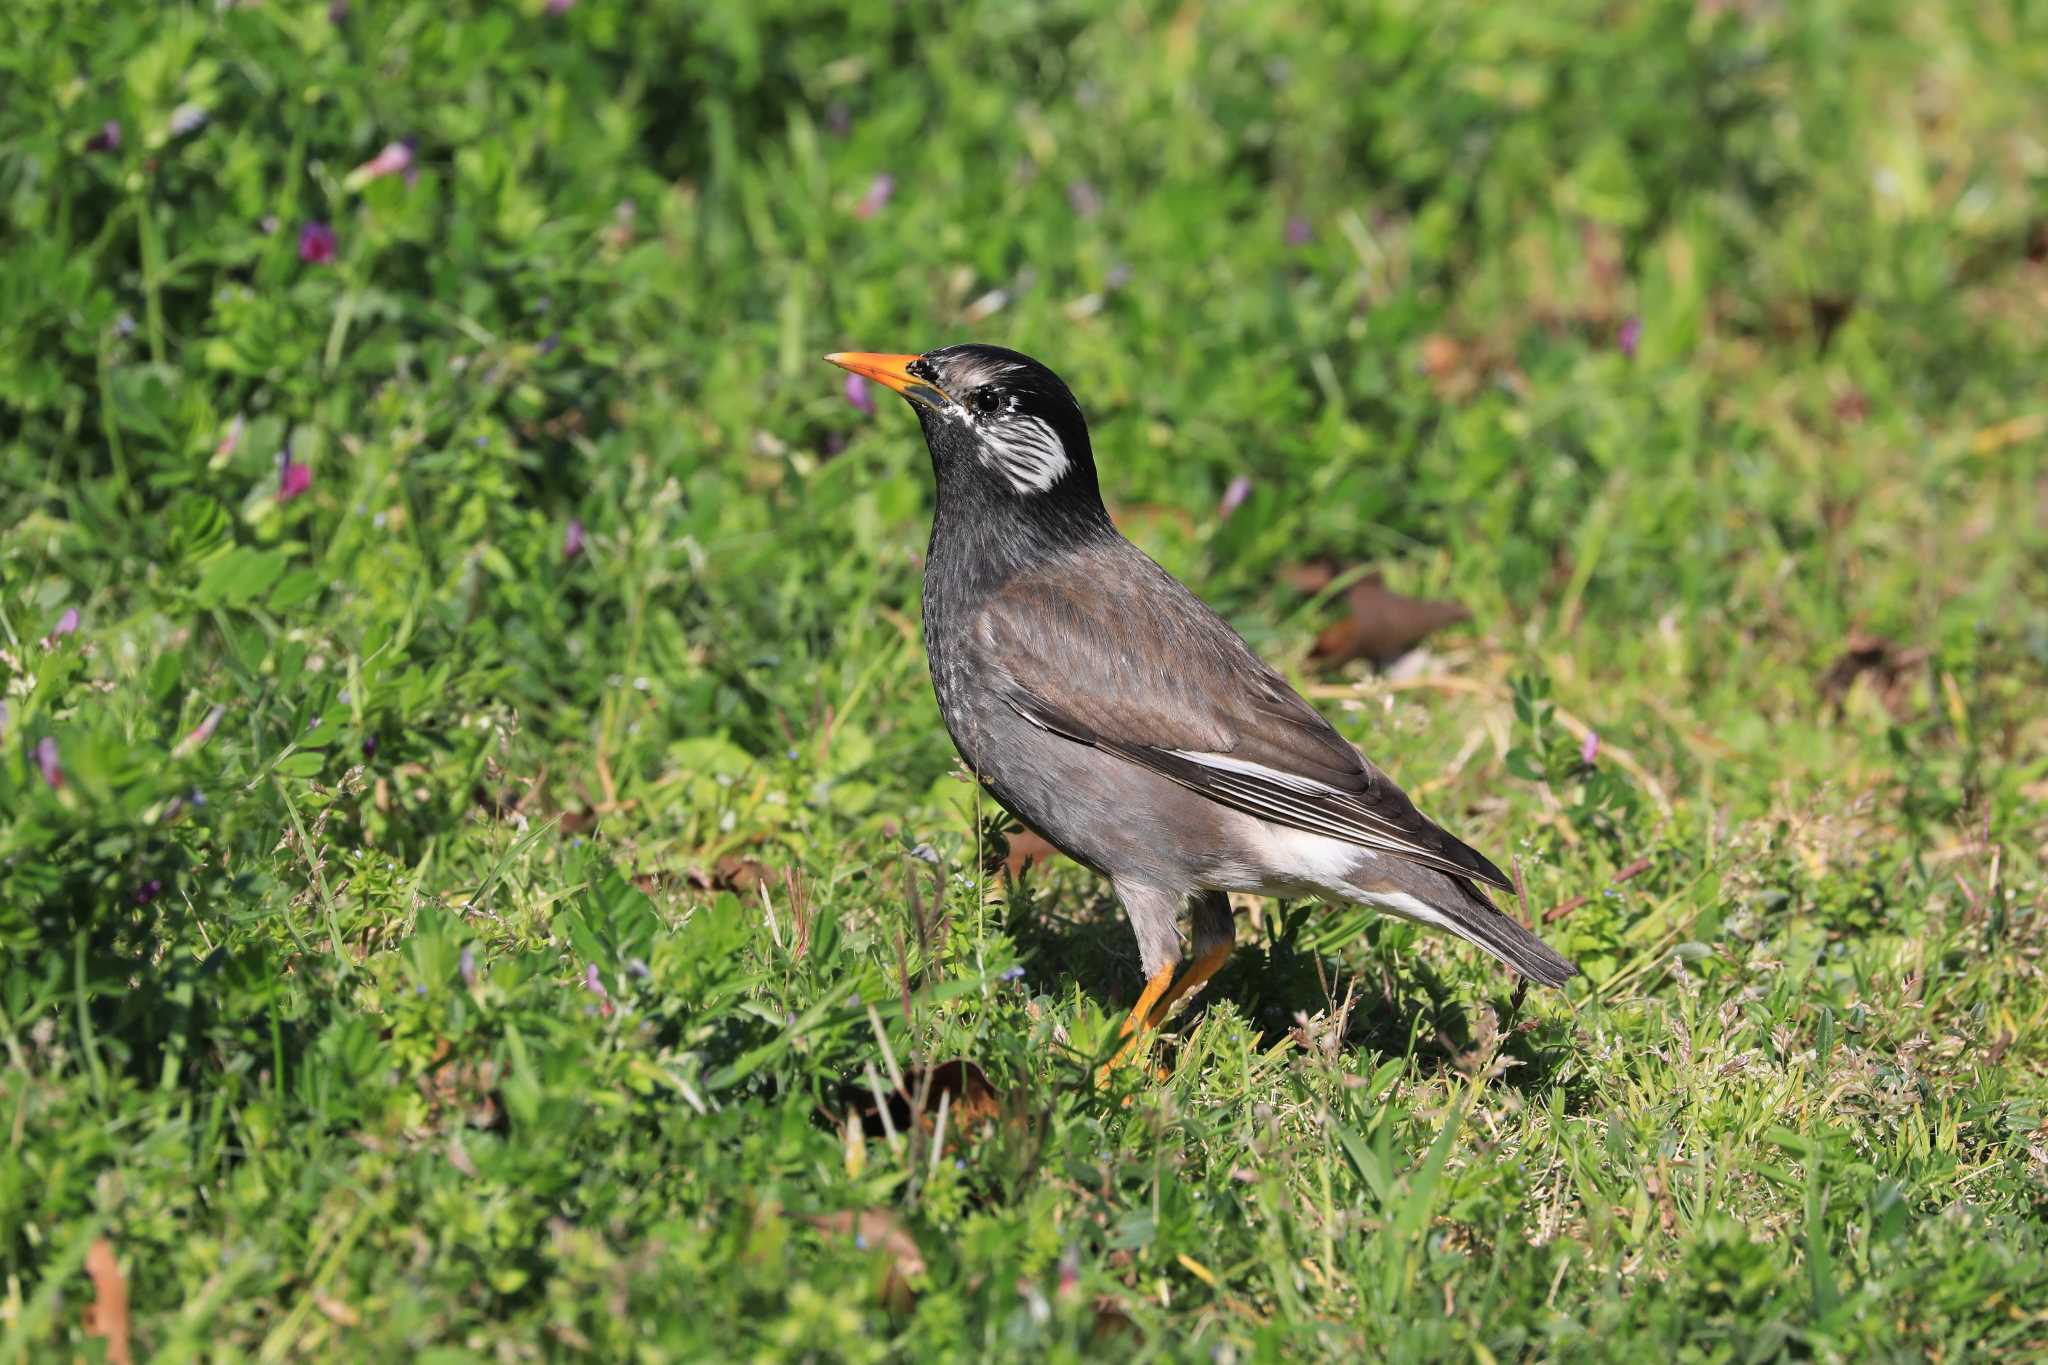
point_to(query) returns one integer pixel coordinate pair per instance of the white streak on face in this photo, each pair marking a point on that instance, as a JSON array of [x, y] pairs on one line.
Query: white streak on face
[[1025, 451]]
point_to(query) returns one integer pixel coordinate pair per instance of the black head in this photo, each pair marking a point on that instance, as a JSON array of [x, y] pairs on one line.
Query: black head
[[1000, 426]]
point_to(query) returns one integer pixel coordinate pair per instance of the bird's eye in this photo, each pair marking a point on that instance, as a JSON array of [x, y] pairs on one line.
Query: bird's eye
[[984, 400]]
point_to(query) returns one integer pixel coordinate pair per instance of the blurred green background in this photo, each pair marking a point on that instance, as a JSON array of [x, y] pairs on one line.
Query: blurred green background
[[473, 824]]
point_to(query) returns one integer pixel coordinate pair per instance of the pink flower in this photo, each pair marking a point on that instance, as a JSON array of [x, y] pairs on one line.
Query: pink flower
[[594, 983], [572, 539], [46, 760], [107, 139], [877, 198], [1298, 231], [204, 730], [1234, 496], [317, 244], [1590, 750], [395, 159], [1630, 335], [201, 732], [66, 624], [230, 442], [293, 479], [857, 394]]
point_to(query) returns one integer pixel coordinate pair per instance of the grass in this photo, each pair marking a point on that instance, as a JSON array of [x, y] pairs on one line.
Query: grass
[[418, 940]]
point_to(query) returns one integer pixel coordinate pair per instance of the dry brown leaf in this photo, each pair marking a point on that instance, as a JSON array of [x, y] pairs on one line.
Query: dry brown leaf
[[1380, 626], [1311, 577], [106, 1317], [971, 1102], [1891, 668], [461, 1090], [744, 875]]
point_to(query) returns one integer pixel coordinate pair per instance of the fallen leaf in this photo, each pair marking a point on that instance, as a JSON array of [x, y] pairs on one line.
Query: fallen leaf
[[971, 1101], [106, 1317], [1890, 667], [1310, 577], [1380, 625], [744, 875], [460, 1091], [1112, 1323], [1993, 439], [879, 1230]]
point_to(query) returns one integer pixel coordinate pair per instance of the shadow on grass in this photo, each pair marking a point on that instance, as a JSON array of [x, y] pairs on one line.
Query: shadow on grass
[[1399, 1006]]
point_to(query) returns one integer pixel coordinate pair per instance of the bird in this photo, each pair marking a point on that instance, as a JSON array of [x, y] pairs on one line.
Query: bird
[[1107, 707]]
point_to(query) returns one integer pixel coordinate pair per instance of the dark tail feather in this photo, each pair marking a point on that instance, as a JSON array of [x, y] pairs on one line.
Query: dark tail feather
[[1473, 917]]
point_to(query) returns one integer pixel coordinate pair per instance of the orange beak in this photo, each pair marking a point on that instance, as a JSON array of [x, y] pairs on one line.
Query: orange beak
[[894, 371]]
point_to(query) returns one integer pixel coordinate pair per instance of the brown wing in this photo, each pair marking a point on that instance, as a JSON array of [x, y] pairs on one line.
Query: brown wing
[[1110, 650]]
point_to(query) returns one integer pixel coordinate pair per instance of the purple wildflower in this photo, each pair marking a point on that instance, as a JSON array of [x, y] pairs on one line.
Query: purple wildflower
[[572, 539], [107, 139], [550, 342], [1630, 335], [1298, 231], [46, 759], [858, 394], [1233, 497], [1083, 198], [148, 891], [293, 479], [467, 964], [66, 624], [593, 983], [877, 198], [1011, 974], [370, 747], [317, 243], [1590, 750], [557, 7]]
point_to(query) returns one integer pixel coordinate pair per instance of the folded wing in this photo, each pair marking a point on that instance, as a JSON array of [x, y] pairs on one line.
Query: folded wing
[[1171, 687]]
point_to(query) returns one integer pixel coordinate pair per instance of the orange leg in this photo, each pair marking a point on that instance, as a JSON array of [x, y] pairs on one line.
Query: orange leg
[[1159, 996], [1204, 967]]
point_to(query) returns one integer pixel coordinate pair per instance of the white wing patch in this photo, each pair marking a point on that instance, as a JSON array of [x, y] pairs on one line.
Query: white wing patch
[[1228, 763], [1025, 451]]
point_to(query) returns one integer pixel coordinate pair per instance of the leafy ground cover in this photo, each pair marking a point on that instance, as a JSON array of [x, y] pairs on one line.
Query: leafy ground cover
[[480, 873]]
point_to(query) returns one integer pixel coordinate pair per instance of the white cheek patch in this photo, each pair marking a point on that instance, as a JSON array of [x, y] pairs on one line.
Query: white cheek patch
[[1025, 451]]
